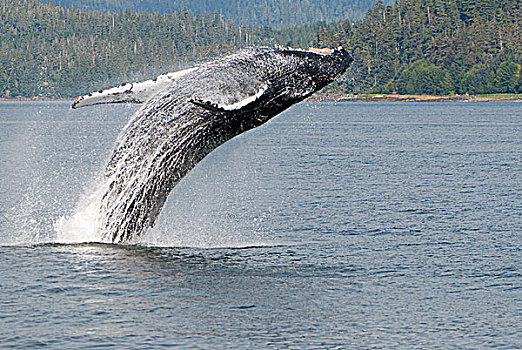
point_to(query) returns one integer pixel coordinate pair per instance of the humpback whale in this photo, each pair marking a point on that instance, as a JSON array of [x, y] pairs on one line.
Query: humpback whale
[[187, 114]]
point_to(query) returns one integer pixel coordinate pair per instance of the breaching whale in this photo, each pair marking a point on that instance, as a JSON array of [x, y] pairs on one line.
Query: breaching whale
[[189, 113]]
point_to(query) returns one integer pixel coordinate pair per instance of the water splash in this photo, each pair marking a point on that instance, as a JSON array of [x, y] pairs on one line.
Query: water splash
[[83, 225], [202, 213]]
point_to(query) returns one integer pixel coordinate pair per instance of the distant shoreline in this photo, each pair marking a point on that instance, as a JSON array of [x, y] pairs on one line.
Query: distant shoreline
[[348, 98], [34, 99], [413, 98]]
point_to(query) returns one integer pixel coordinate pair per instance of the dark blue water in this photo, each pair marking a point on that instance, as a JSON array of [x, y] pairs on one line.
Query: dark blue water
[[379, 225]]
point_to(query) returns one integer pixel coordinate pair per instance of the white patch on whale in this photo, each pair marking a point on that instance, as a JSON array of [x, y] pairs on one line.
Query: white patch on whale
[[233, 106]]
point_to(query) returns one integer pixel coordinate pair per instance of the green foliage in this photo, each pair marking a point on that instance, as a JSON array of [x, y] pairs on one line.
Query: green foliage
[[301, 36], [519, 83], [478, 80], [415, 46], [506, 77], [483, 79], [425, 78], [472, 41]]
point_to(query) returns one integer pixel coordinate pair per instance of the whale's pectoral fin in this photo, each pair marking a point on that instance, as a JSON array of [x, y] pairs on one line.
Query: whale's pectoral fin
[[120, 94], [131, 92], [231, 104]]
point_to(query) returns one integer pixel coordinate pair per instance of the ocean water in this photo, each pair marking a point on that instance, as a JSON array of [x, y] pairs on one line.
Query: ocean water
[[349, 225]]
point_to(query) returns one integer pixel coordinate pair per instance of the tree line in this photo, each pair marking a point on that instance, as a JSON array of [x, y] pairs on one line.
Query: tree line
[[416, 46], [435, 47]]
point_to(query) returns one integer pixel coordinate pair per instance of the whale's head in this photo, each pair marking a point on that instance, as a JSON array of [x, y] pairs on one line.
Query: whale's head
[[318, 67]]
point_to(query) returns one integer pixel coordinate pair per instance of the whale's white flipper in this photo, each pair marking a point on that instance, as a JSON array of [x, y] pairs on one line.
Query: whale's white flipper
[[131, 92]]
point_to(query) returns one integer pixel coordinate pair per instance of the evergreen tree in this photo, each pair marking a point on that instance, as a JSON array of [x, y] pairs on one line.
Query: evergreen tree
[[425, 78], [478, 80], [257, 13], [518, 88], [415, 46], [506, 77]]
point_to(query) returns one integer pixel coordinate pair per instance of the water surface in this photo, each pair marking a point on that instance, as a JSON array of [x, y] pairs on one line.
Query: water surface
[[371, 225]]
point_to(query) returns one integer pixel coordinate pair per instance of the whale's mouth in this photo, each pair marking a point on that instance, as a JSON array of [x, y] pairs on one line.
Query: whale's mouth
[[325, 51], [315, 50]]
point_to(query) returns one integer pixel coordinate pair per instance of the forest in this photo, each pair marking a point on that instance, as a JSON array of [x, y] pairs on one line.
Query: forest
[[437, 47], [414, 47]]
